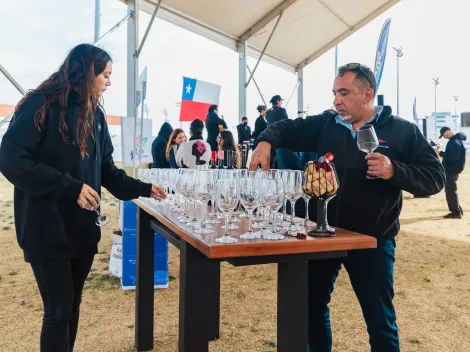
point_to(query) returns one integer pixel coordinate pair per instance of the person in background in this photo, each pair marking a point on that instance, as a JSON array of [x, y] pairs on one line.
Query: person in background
[[159, 147], [277, 112], [57, 152], [453, 160], [186, 155], [403, 161], [260, 123], [226, 144], [244, 131], [305, 157], [176, 139], [283, 159], [214, 124]]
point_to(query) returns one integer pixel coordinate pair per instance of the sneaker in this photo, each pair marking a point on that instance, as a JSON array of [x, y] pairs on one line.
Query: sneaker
[[453, 216]]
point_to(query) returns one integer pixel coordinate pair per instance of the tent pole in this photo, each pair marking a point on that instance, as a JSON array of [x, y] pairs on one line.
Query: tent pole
[[241, 80]]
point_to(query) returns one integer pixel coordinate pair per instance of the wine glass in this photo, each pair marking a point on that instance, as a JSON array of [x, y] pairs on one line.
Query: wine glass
[[259, 218], [367, 141], [240, 174], [203, 191], [185, 187], [101, 220], [293, 191], [213, 214], [191, 194], [230, 175], [226, 200], [273, 191], [249, 193], [306, 197], [322, 183], [283, 174]]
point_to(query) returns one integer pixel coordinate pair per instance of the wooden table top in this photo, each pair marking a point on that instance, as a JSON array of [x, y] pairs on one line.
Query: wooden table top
[[206, 244]]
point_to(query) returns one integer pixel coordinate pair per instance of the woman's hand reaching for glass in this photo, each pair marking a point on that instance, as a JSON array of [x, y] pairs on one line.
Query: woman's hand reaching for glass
[[157, 193]]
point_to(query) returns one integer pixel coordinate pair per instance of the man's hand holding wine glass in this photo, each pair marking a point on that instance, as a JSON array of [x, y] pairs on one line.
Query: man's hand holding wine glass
[[379, 166]]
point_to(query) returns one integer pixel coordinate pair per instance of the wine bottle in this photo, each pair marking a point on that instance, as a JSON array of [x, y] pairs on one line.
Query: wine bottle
[[327, 158], [324, 162]]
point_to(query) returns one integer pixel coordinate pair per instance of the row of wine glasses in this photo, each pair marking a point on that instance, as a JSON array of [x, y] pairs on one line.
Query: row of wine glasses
[[228, 190]]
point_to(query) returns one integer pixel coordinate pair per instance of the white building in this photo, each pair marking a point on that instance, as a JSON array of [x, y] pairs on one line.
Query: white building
[[455, 122]]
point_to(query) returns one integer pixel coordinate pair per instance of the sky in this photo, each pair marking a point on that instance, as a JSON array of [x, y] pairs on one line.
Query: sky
[[35, 37]]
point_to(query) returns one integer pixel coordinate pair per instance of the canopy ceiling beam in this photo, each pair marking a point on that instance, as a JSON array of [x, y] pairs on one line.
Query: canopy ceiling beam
[[266, 19], [347, 33], [264, 49]]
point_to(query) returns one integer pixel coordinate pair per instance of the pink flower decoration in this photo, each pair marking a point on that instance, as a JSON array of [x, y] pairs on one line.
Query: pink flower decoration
[[199, 148]]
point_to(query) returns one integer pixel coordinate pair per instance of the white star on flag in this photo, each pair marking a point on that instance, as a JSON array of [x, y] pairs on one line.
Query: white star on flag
[[188, 89]]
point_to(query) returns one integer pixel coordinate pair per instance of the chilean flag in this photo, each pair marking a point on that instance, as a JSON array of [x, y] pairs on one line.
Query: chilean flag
[[197, 97]]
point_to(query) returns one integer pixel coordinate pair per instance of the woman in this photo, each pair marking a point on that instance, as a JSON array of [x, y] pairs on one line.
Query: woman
[[57, 153], [159, 147], [260, 124], [177, 138], [196, 152], [227, 147]]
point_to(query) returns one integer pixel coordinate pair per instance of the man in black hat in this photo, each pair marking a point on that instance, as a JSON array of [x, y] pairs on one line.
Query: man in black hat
[[277, 112], [285, 159], [453, 160]]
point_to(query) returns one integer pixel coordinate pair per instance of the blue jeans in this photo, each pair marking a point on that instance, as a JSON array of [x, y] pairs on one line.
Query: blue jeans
[[287, 160], [371, 275]]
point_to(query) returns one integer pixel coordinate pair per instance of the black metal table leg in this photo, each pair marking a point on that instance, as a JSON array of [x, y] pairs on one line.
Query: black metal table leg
[[194, 288], [144, 298], [292, 307], [214, 299]]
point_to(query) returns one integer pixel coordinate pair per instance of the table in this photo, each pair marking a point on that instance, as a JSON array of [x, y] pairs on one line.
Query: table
[[200, 258]]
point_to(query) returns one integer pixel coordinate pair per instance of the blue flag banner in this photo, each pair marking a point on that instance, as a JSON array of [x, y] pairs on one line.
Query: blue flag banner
[[381, 52]]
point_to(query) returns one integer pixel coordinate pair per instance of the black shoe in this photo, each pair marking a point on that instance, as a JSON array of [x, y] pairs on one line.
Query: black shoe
[[453, 216], [461, 210]]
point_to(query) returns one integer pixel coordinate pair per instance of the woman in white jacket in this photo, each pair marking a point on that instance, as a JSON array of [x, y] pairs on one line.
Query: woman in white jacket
[[195, 152]]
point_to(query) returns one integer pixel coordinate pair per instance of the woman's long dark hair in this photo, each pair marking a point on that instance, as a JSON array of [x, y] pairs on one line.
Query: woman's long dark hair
[[229, 141], [78, 72], [171, 141]]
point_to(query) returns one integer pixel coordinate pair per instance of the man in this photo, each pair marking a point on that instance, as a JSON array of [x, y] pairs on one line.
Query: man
[[214, 124], [159, 147], [277, 112], [403, 161], [244, 131], [453, 160], [285, 159]]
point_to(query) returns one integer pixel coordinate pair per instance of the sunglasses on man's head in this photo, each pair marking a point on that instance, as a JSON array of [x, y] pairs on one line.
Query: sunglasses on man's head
[[355, 66]]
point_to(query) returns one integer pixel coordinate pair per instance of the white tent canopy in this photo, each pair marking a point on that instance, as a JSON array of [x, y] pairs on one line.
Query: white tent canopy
[[307, 29], [287, 33]]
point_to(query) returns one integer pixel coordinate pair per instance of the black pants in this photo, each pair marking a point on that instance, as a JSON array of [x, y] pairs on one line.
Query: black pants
[[451, 193], [61, 284]]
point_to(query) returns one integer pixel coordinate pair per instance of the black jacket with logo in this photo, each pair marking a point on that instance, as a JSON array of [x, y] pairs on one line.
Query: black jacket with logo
[[48, 175], [453, 158], [366, 206]]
